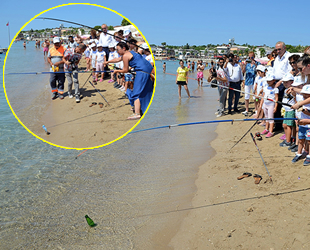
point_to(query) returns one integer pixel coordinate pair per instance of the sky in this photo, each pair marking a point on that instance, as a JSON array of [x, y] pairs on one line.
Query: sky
[[174, 22]]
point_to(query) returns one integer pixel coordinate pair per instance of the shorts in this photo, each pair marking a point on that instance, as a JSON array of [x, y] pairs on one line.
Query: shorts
[[199, 75], [289, 114], [248, 89], [304, 133], [93, 64], [128, 77], [181, 83], [45, 49], [99, 67]]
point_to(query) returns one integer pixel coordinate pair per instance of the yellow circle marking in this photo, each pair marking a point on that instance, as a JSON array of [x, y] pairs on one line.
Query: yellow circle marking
[[55, 8]]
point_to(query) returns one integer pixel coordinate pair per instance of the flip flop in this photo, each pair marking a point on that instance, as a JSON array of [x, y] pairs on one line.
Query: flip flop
[[134, 117], [244, 176], [100, 104], [93, 104], [257, 178]]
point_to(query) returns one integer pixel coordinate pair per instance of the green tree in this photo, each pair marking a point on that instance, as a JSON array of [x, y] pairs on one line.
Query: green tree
[[163, 43], [262, 52], [110, 27], [97, 27], [186, 46], [125, 22], [82, 31]]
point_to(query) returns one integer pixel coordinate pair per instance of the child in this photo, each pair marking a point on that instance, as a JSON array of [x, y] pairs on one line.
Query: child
[[304, 128], [295, 91], [92, 57], [100, 59], [259, 84], [270, 107], [164, 67], [87, 54], [112, 55], [288, 125]]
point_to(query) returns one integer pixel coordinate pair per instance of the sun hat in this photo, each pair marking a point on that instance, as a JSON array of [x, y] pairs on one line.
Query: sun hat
[[93, 45], [305, 89], [127, 32], [261, 68], [269, 76], [288, 77], [56, 40], [298, 81], [144, 46]]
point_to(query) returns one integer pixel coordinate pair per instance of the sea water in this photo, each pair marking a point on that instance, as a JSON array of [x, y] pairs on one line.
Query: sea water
[[133, 189]]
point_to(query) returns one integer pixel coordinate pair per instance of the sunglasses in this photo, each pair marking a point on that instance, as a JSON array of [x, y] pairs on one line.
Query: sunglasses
[[293, 62], [300, 69], [278, 49]]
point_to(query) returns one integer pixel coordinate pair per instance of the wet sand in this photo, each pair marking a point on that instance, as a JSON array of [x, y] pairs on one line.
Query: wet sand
[[77, 125], [227, 213]]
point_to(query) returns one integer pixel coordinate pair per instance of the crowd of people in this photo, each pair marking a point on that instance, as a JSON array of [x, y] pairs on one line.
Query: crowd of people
[[279, 89], [118, 57]]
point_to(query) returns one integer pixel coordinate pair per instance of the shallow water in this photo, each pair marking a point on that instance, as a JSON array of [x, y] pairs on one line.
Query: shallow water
[[128, 188]]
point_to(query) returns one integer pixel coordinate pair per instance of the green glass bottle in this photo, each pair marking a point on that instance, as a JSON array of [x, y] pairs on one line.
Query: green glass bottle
[[90, 221]]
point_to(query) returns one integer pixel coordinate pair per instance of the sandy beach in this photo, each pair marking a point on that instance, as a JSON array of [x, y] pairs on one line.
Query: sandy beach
[[77, 125], [227, 213]]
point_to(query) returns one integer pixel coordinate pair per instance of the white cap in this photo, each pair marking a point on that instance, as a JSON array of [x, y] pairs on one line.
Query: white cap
[[305, 89], [298, 81], [99, 45], [261, 68], [288, 77], [269, 76], [144, 46], [56, 40], [126, 32], [111, 45], [93, 45]]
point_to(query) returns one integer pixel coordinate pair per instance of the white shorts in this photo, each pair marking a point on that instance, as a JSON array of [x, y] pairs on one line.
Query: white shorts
[[93, 64], [249, 89]]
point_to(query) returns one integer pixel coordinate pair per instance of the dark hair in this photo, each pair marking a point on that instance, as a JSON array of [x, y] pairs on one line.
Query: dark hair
[[70, 36], [294, 57], [132, 41], [121, 32], [82, 46], [305, 60], [230, 55], [221, 59], [123, 45], [181, 61]]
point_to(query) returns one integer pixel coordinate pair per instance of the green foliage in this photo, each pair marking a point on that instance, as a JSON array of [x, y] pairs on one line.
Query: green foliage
[[110, 27], [163, 43], [125, 22], [262, 52], [97, 27], [186, 46]]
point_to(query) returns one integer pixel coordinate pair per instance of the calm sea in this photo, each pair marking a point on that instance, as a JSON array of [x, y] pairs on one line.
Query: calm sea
[[128, 188]]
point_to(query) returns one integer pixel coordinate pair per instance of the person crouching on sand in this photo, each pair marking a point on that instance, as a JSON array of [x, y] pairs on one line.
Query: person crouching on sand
[[182, 78]]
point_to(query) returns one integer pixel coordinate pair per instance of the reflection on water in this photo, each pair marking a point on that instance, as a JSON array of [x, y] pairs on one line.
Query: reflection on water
[[127, 188]]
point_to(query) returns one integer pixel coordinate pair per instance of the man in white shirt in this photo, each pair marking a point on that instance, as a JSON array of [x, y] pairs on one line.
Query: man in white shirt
[[281, 67], [235, 77], [105, 39]]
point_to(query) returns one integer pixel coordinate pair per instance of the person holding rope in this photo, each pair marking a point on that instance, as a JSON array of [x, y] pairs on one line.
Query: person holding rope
[[72, 57], [142, 91], [221, 78]]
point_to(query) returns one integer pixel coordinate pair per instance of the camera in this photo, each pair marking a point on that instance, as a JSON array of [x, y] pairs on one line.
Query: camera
[[214, 74], [230, 60], [73, 62]]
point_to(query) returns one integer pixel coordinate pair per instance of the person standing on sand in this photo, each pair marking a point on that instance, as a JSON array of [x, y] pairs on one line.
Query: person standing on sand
[[105, 39], [235, 77], [281, 67], [221, 78], [55, 59], [248, 84], [182, 78], [72, 57]]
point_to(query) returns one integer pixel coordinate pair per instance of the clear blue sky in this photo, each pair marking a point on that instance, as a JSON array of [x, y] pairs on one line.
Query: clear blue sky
[[176, 22]]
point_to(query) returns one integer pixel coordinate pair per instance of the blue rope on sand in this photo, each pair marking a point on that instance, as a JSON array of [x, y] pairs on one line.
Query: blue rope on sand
[[214, 121]]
